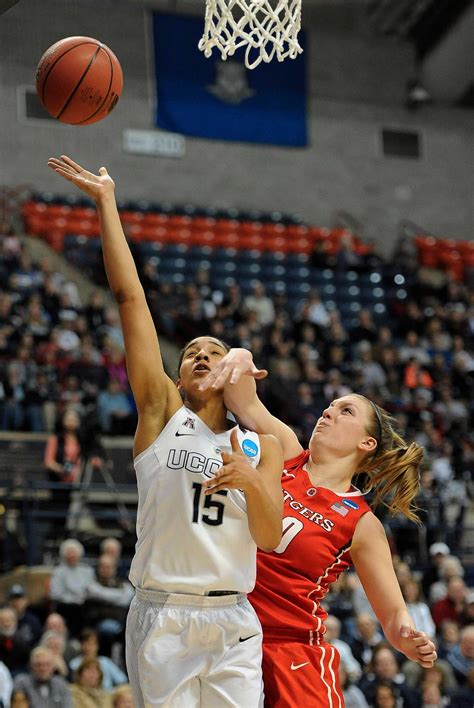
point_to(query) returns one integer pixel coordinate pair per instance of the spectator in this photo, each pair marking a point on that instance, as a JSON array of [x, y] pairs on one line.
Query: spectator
[[464, 697], [116, 414], [14, 651], [55, 623], [450, 568], [461, 657], [440, 674], [62, 460], [419, 610], [332, 635], [123, 697], [113, 548], [437, 552], [386, 695], [448, 637], [94, 310], [6, 685], [69, 584], [365, 330], [367, 637], [413, 349], [334, 387], [372, 373], [261, 304], [112, 675], [384, 670], [468, 614], [313, 310], [29, 626], [56, 645], [87, 691], [453, 605], [13, 393], [108, 600], [43, 688], [353, 696]]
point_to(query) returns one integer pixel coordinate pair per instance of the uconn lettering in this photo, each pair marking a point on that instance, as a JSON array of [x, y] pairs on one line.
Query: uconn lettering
[[194, 462], [309, 514]]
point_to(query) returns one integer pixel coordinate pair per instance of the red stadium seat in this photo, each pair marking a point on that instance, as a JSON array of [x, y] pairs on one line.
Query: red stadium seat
[[297, 231], [317, 233], [179, 221], [250, 228], [224, 225], [129, 217], [270, 230], [251, 243], [203, 223], [203, 238], [226, 240]]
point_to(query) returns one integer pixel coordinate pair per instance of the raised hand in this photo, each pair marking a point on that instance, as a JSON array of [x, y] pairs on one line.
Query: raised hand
[[95, 186], [236, 363], [417, 646], [236, 471]]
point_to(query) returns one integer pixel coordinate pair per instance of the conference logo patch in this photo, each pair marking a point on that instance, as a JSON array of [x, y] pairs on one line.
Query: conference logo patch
[[250, 448], [351, 504]]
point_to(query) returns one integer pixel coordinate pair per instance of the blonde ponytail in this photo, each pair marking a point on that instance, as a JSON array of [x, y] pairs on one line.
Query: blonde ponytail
[[393, 470]]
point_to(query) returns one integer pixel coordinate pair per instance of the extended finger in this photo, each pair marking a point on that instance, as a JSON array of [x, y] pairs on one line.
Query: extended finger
[[234, 441], [222, 483], [208, 381], [212, 480], [260, 373], [220, 379], [236, 374], [64, 173], [421, 641], [73, 164]]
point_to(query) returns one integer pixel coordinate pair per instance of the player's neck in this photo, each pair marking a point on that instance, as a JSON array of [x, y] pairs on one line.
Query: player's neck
[[331, 475], [212, 412]]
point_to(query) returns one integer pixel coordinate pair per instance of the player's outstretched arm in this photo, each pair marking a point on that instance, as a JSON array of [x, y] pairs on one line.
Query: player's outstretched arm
[[236, 373], [372, 560], [261, 486], [151, 387]]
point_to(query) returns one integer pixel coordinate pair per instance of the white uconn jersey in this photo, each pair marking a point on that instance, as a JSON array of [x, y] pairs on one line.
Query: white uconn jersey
[[189, 542]]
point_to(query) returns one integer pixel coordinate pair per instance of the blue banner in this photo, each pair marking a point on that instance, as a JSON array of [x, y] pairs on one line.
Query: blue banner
[[210, 98]]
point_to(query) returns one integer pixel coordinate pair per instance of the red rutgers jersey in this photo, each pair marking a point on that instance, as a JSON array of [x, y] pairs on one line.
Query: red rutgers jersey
[[318, 526]]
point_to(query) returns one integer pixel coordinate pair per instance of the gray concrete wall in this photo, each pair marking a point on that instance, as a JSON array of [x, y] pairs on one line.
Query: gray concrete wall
[[356, 85]]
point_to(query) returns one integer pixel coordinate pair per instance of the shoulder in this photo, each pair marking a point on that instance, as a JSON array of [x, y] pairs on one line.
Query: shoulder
[[270, 446], [368, 531], [22, 680]]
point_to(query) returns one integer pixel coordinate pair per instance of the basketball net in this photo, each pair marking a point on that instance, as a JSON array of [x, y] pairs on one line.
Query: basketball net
[[264, 30]]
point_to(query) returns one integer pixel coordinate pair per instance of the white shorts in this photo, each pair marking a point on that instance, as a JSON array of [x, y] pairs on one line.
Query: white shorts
[[185, 651]]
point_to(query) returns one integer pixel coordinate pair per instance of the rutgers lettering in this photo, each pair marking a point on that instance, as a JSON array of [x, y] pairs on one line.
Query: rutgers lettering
[[308, 513]]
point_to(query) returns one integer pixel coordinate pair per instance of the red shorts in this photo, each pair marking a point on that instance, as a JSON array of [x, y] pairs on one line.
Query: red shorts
[[297, 674]]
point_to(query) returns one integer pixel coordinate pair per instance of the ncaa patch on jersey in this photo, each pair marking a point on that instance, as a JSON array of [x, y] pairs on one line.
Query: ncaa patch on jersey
[[249, 447], [351, 504]]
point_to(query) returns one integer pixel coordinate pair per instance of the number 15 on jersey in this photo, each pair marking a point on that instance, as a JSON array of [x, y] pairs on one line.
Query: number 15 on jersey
[[210, 511]]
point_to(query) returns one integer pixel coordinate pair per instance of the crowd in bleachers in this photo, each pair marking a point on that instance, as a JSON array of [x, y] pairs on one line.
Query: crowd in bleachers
[[323, 323], [67, 650]]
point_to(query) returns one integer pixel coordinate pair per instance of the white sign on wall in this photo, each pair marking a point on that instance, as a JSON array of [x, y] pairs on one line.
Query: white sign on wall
[[154, 142]]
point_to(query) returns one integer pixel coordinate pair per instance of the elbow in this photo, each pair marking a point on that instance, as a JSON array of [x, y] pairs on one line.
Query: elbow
[[125, 295], [270, 542]]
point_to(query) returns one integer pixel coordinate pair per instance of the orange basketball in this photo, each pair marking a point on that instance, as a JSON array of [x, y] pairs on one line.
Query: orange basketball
[[79, 80]]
